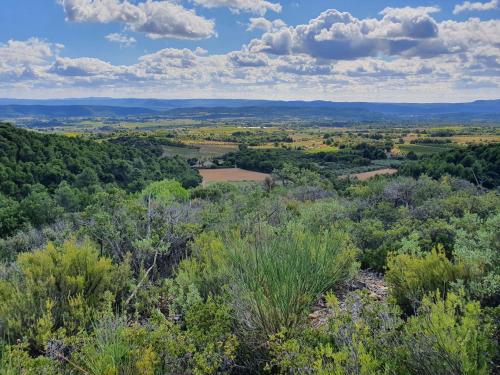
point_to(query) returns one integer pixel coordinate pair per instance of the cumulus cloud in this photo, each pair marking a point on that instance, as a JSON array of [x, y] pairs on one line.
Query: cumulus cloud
[[25, 60], [261, 23], [121, 39], [398, 32], [471, 66], [302, 65], [253, 6], [81, 67], [164, 60], [475, 6], [157, 19], [470, 35], [33, 51], [340, 36], [248, 59], [414, 23]]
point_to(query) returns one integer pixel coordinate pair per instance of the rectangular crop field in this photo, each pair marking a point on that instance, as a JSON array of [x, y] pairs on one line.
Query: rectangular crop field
[[230, 175]]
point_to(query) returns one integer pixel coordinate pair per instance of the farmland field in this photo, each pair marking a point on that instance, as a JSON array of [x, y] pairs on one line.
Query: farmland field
[[367, 175], [230, 175], [468, 139], [424, 149]]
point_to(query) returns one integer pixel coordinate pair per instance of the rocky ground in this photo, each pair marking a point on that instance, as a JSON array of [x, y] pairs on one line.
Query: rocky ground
[[373, 283]]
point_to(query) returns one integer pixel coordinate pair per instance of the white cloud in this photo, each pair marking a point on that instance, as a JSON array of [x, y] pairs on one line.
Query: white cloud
[[247, 59], [469, 69], [340, 36], [279, 42], [163, 61], [414, 23], [82, 67], [253, 6], [470, 35], [475, 6], [25, 60], [33, 51], [121, 39], [158, 19], [302, 65], [261, 23], [400, 32]]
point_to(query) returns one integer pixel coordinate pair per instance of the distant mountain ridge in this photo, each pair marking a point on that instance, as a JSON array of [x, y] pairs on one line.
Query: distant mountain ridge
[[214, 109], [17, 110]]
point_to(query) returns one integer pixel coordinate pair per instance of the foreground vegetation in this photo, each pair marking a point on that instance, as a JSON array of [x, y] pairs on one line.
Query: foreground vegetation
[[156, 276]]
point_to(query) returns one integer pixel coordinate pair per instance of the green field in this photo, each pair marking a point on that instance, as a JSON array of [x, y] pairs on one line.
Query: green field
[[423, 149]]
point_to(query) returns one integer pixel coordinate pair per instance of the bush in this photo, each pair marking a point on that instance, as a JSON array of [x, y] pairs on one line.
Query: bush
[[166, 191], [207, 268], [16, 360], [413, 276], [448, 336], [199, 342], [106, 350], [369, 235], [57, 288], [212, 192], [476, 247], [357, 339]]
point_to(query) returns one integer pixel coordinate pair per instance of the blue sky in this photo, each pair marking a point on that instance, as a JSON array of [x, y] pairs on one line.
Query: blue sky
[[291, 49]]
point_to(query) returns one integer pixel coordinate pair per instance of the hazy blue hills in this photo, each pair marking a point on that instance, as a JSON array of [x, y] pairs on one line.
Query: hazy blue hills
[[218, 109], [56, 111]]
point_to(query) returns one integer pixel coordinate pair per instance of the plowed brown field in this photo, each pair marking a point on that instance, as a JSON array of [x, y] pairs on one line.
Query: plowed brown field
[[367, 175], [230, 174]]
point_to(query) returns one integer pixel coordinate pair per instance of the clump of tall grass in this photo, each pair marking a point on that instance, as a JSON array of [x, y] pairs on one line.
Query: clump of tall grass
[[277, 280], [107, 351]]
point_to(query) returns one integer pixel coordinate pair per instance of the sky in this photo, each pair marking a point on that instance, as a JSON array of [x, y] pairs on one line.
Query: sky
[[338, 50]]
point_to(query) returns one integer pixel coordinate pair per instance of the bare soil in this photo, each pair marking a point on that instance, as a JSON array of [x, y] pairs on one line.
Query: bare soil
[[367, 175], [230, 175]]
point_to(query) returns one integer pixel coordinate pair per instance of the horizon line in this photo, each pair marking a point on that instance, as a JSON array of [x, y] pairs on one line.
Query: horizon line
[[242, 99]]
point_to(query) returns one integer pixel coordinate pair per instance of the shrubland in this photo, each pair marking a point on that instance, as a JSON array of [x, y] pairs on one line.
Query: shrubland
[[222, 279]]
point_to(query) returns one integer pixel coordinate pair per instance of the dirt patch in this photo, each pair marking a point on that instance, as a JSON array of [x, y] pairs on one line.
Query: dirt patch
[[230, 175], [367, 175]]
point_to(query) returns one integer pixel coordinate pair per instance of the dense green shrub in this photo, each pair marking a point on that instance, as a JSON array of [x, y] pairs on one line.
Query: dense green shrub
[[476, 248], [16, 360], [165, 191], [57, 288], [413, 276], [201, 343], [207, 268], [369, 235], [446, 336], [10, 215], [39, 207], [357, 339]]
